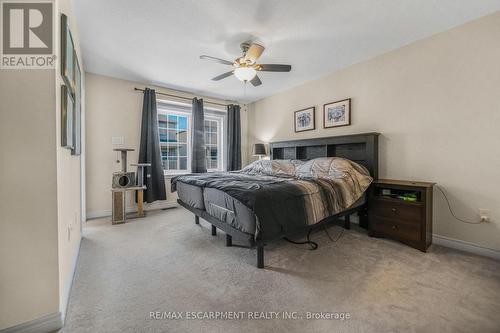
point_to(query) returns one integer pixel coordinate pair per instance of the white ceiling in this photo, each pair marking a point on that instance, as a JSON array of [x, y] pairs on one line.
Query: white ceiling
[[159, 42]]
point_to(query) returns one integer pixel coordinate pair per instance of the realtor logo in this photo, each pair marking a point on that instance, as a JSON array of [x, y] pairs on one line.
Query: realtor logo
[[27, 35]]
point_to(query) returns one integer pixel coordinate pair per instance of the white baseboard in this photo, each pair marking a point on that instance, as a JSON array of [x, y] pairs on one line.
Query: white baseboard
[[131, 209], [465, 246], [45, 324]]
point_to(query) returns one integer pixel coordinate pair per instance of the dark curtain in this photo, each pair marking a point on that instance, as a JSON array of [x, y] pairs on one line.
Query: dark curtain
[[149, 150], [233, 138], [198, 155]]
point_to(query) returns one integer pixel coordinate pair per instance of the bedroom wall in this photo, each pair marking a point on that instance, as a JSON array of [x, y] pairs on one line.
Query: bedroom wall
[[114, 109], [40, 195], [435, 102], [28, 225]]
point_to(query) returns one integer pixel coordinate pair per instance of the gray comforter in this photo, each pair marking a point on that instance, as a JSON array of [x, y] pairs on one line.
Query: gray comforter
[[287, 195]]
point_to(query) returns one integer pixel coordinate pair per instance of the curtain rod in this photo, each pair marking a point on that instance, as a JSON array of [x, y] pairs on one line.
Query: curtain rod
[[181, 97]]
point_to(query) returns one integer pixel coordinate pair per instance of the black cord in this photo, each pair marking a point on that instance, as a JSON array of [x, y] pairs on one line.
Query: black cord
[[451, 210], [312, 244]]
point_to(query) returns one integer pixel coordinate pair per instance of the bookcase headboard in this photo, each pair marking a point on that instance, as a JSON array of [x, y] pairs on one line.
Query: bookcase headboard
[[360, 148]]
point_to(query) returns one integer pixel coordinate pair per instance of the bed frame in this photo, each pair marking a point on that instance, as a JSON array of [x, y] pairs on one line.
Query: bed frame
[[360, 148]]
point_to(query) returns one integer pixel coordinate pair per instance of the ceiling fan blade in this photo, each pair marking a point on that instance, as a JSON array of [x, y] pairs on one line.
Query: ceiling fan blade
[[222, 76], [253, 53], [256, 81], [273, 68], [220, 61]]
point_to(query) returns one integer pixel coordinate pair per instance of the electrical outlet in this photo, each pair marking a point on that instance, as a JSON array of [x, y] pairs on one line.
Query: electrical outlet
[[484, 214]]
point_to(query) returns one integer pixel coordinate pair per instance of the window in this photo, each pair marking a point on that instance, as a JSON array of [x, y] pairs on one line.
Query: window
[[174, 124], [174, 141], [213, 145]]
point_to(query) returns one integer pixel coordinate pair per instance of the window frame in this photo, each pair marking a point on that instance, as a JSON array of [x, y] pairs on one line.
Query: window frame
[[166, 111]]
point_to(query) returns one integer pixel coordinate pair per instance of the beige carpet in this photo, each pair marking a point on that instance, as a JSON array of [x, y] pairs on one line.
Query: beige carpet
[[166, 263]]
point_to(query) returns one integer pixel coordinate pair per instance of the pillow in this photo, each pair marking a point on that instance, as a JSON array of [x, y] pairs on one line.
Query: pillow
[[274, 167], [331, 167]]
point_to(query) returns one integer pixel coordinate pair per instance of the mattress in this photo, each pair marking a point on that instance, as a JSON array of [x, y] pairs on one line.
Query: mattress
[[267, 203], [191, 195], [224, 207]]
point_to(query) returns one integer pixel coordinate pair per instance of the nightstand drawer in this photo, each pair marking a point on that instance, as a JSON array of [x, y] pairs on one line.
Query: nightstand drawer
[[411, 212], [396, 228]]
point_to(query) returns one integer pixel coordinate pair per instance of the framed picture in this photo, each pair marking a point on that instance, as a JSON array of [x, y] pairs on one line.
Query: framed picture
[[67, 54], [77, 117], [337, 114], [304, 120], [67, 113]]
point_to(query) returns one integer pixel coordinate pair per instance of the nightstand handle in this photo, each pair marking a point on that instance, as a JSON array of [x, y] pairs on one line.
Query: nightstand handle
[[394, 227], [393, 210]]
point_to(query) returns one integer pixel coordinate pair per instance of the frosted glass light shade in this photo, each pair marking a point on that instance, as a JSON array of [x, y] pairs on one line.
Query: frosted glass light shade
[[245, 73]]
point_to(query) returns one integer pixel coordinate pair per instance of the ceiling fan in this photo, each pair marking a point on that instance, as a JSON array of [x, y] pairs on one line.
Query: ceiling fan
[[246, 67]]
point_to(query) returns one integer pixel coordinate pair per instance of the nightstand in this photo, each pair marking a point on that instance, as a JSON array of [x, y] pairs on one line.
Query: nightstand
[[401, 210]]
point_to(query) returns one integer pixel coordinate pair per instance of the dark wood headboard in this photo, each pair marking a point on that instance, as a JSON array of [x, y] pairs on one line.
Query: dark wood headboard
[[360, 148]]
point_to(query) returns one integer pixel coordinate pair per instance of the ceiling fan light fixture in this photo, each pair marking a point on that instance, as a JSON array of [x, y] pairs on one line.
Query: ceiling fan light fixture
[[245, 73], [245, 68]]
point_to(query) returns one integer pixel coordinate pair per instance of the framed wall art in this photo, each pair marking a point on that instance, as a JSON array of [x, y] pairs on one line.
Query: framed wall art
[[67, 54], [304, 120], [337, 113], [77, 118], [67, 114]]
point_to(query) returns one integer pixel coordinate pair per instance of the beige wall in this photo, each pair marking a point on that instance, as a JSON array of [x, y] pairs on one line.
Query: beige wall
[[28, 223], [39, 196], [436, 104], [114, 110]]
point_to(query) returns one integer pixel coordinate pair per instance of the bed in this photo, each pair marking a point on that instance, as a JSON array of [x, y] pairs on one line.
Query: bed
[[305, 185]]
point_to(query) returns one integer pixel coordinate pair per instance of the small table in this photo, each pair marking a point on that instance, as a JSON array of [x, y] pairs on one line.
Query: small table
[[118, 196], [401, 210]]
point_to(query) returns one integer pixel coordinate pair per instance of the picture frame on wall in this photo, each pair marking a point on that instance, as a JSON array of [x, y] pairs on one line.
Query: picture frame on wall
[[304, 119], [77, 118], [337, 113], [67, 54], [67, 114]]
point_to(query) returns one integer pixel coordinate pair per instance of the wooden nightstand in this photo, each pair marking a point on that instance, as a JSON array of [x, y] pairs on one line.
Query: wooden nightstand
[[401, 210]]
